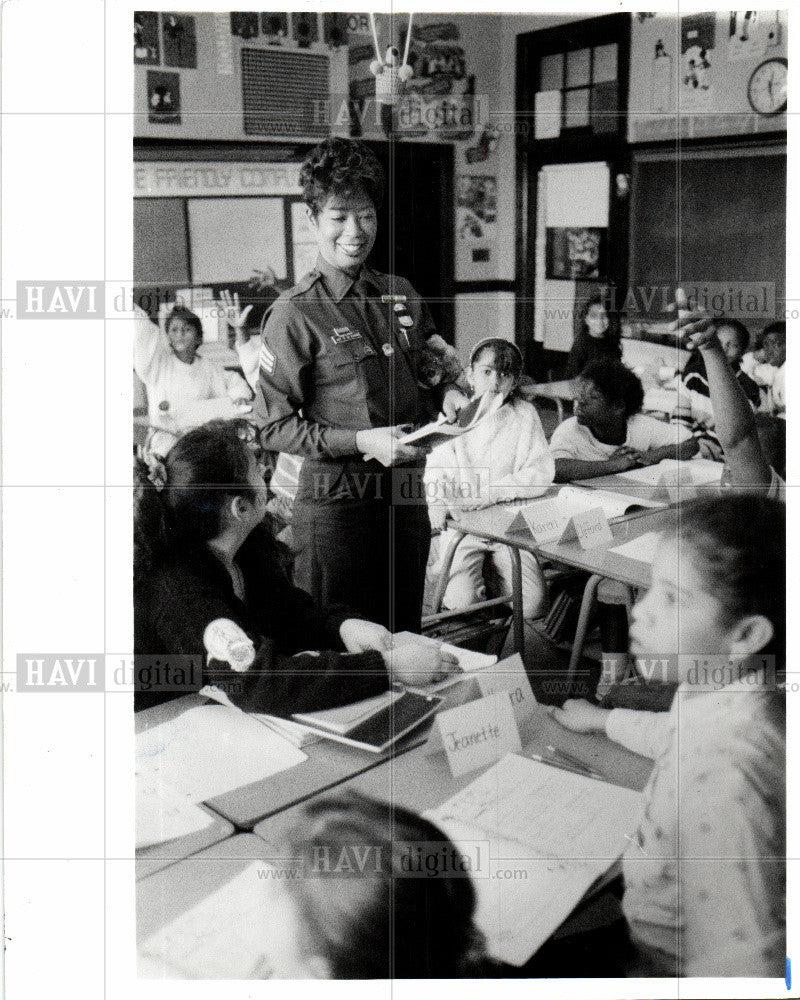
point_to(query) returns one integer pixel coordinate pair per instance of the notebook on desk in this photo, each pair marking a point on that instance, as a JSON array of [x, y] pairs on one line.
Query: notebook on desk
[[555, 830], [375, 724]]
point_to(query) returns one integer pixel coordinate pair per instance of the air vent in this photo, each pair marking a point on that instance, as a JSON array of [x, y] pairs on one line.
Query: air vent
[[284, 92]]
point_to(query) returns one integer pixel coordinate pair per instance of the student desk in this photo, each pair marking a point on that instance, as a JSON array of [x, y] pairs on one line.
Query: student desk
[[328, 764], [412, 780], [602, 563]]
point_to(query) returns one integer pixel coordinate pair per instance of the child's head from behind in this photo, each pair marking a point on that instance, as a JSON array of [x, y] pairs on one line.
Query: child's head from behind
[[774, 344], [495, 366], [380, 893], [607, 391], [734, 339], [184, 332], [718, 585]]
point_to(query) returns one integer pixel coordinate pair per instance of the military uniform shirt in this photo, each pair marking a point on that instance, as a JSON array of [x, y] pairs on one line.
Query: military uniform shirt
[[339, 355]]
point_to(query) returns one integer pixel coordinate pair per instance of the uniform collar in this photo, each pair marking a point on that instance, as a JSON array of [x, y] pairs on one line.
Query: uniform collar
[[340, 283]]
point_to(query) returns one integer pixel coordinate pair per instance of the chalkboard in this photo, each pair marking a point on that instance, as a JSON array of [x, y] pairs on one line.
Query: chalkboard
[[702, 215]]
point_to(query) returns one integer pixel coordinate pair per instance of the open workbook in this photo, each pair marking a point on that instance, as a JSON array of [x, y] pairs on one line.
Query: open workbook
[[554, 831]]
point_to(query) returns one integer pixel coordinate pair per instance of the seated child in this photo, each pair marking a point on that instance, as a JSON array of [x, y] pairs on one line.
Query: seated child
[[694, 410], [607, 433], [382, 921], [705, 874], [183, 388], [770, 373], [504, 458], [203, 555], [599, 337]]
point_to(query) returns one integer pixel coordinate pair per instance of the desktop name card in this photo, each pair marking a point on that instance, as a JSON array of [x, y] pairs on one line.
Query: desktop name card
[[476, 734], [545, 520], [678, 485], [590, 529], [509, 676]]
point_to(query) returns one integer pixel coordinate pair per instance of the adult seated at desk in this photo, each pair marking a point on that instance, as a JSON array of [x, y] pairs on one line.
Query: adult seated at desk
[[183, 388], [608, 434], [202, 554]]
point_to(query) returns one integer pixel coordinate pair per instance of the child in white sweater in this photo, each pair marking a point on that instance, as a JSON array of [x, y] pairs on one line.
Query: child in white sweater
[[183, 388], [505, 457]]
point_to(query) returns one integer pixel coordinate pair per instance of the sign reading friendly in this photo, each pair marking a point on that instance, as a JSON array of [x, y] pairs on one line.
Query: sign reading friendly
[[186, 180]]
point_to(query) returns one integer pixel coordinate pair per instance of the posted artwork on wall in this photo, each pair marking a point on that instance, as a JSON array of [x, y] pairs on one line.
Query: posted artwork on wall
[[163, 98], [146, 49], [180, 40], [698, 38], [575, 253], [476, 208]]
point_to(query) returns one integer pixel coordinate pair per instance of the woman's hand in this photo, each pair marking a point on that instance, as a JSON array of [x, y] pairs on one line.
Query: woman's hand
[[581, 716], [358, 636], [382, 443], [235, 316], [419, 665], [452, 404]]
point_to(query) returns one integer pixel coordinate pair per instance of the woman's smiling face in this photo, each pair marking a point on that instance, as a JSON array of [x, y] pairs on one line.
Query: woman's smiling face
[[345, 228]]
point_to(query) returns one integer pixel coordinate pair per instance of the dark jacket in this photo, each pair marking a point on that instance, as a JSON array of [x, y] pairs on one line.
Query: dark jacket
[[178, 599], [585, 349]]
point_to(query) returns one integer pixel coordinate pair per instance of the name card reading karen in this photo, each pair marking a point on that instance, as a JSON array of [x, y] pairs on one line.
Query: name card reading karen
[[590, 529], [509, 676], [545, 520], [476, 734]]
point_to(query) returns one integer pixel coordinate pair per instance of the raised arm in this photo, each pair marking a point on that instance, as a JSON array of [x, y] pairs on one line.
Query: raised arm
[[734, 421]]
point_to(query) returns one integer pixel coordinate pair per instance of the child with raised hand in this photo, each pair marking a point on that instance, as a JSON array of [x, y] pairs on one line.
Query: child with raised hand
[[505, 457], [734, 420], [705, 874], [183, 388], [384, 921], [608, 434]]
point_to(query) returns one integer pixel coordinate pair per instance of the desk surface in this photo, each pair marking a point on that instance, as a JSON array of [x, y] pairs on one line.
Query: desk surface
[[328, 764], [418, 781], [612, 565], [487, 524]]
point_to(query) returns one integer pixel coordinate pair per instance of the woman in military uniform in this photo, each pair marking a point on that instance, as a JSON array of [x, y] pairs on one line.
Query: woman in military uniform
[[348, 363]]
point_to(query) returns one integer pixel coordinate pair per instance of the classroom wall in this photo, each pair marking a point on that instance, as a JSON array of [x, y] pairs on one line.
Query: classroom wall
[[671, 98]]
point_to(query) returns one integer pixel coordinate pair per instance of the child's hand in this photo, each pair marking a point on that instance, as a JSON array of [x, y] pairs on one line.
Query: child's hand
[[235, 316], [581, 716], [694, 326], [624, 458]]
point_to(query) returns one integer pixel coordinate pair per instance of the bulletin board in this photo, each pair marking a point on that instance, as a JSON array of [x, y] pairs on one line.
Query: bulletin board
[[708, 215]]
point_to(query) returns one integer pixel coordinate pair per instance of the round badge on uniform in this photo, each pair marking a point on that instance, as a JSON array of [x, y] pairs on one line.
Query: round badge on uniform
[[388, 350], [405, 321], [163, 406], [399, 307]]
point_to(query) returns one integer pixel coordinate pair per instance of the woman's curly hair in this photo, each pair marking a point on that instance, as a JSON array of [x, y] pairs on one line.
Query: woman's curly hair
[[341, 167]]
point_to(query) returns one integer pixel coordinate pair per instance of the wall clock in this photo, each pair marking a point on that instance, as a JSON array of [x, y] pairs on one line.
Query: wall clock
[[766, 89]]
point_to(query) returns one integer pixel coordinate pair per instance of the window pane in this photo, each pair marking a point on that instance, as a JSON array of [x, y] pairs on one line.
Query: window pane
[[605, 63], [576, 108], [551, 72], [604, 107], [578, 67]]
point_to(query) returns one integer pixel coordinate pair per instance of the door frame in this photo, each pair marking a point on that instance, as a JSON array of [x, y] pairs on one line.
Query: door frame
[[578, 147]]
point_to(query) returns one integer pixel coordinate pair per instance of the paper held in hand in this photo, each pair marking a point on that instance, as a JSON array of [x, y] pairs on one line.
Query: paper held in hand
[[468, 417]]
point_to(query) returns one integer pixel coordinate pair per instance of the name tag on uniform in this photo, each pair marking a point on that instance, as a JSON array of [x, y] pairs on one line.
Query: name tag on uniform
[[343, 335], [393, 298]]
